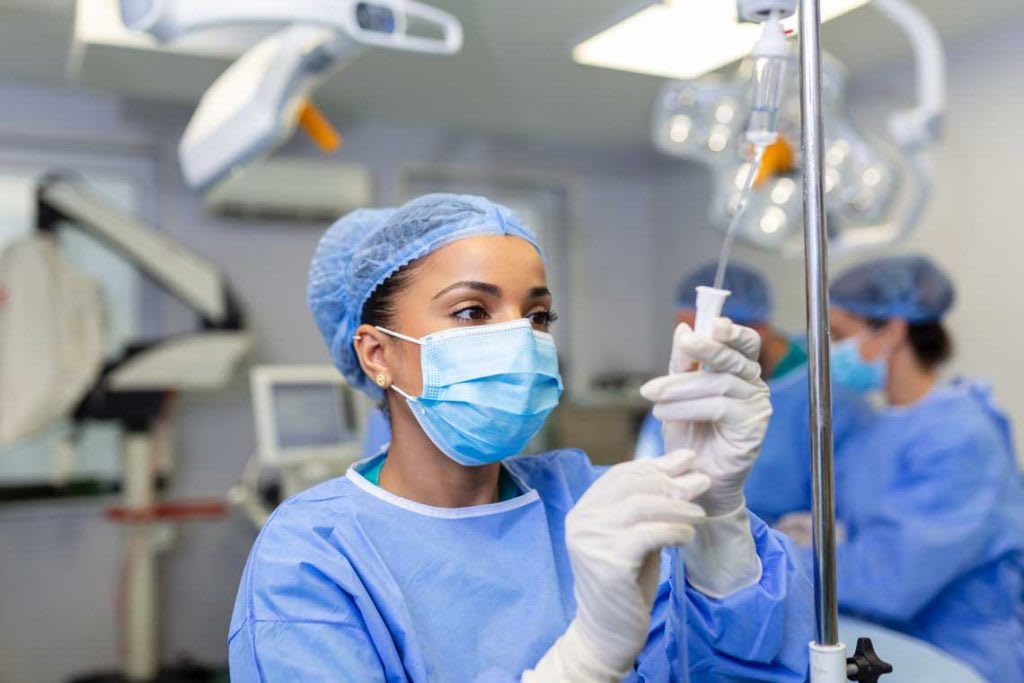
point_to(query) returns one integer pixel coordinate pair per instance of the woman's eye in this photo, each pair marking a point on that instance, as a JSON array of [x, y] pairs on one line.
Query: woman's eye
[[543, 318], [471, 313]]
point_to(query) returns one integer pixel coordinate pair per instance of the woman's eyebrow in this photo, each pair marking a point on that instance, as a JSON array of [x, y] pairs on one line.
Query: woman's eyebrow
[[539, 293], [483, 287]]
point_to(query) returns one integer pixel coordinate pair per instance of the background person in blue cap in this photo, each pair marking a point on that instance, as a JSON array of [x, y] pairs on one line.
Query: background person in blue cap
[[449, 557], [928, 490], [780, 481]]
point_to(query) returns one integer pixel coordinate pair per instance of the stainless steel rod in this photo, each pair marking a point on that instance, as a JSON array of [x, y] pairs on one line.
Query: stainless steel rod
[[816, 272]]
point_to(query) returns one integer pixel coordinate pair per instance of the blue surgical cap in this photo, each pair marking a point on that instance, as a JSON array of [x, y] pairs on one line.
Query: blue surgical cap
[[909, 287], [750, 302], [363, 249]]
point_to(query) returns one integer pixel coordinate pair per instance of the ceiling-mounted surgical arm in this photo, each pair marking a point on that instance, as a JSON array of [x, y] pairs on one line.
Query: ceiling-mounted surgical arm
[[922, 124], [381, 23], [256, 104], [913, 130]]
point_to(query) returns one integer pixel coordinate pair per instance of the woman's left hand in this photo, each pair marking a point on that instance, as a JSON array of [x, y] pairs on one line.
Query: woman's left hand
[[720, 411]]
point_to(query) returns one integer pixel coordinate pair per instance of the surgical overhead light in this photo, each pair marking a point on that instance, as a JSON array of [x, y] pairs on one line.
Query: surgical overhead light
[[874, 195], [257, 103]]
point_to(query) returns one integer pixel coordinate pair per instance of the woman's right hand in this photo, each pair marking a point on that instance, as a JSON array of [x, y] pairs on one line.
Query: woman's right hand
[[614, 535]]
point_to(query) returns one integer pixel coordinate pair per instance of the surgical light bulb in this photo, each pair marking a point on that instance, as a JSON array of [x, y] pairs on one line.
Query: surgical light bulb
[[837, 153], [725, 112], [679, 128], [783, 190], [863, 200], [773, 220], [831, 179], [719, 138], [872, 176]]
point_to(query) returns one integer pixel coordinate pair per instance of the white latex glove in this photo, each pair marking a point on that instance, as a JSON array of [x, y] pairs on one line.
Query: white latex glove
[[720, 411], [799, 527], [614, 535]]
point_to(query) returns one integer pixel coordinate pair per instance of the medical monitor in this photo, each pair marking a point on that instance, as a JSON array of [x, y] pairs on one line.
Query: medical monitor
[[304, 413]]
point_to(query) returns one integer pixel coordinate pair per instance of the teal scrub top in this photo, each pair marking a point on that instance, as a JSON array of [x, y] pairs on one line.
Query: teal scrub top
[[507, 489]]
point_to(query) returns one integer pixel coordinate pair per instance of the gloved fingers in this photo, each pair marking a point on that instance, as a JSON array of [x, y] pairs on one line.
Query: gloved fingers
[[690, 485], [679, 361], [714, 356], [636, 477], [743, 339], [652, 508], [691, 385], [675, 462], [713, 409], [656, 535]]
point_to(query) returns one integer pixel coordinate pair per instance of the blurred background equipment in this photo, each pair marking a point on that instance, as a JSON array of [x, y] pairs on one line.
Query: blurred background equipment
[[875, 193], [137, 390], [257, 103], [309, 428]]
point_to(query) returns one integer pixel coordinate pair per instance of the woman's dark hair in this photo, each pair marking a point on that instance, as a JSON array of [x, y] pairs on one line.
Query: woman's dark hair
[[930, 342], [379, 309]]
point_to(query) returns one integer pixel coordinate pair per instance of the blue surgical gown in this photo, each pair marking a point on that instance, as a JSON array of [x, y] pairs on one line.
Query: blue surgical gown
[[780, 481], [933, 506], [348, 582]]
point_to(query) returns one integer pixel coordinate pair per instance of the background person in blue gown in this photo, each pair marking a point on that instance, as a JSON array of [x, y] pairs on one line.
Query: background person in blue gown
[[928, 490]]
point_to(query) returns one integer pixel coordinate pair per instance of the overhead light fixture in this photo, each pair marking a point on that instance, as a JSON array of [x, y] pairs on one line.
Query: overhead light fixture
[[683, 39]]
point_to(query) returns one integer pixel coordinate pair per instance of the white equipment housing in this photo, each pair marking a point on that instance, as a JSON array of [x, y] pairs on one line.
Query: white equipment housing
[[132, 389], [309, 428], [255, 104], [292, 189], [304, 413]]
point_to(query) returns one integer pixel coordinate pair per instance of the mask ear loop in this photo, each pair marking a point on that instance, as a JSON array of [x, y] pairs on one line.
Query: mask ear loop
[[396, 335], [403, 337]]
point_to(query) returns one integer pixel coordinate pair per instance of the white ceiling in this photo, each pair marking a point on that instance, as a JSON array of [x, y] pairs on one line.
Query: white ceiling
[[514, 75]]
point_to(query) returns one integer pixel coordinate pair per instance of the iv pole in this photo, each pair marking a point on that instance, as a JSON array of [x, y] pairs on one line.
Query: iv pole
[[829, 663]]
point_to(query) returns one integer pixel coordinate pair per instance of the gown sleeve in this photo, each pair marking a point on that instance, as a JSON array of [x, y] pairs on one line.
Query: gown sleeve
[[926, 529], [292, 620], [759, 633], [649, 442]]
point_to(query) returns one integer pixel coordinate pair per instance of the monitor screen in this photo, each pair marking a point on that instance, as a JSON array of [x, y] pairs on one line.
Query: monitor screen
[[310, 415]]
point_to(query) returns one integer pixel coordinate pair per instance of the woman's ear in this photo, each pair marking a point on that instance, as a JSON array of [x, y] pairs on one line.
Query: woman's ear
[[369, 345]]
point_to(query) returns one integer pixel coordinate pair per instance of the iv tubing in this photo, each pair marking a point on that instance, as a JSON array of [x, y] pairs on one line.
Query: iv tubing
[[730, 235]]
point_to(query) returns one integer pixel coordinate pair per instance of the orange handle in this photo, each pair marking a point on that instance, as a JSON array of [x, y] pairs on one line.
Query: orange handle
[[778, 158], [319, 128]]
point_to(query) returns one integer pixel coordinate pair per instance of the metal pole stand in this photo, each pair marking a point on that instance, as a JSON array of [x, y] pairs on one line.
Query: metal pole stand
[[829, 663]]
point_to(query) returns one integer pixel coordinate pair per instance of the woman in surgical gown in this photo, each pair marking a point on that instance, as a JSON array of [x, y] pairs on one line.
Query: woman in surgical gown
[[929, 491], [449, 558]]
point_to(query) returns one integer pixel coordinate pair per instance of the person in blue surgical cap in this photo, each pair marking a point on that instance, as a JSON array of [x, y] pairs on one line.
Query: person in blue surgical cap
[[928, 491], [450, 557], [780, 482]]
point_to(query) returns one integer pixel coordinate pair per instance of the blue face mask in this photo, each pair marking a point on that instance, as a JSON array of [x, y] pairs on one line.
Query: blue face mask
[[487, 389], [851, 371]]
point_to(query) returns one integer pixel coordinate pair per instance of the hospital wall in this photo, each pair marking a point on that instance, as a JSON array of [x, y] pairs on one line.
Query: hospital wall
[[637, 222]]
